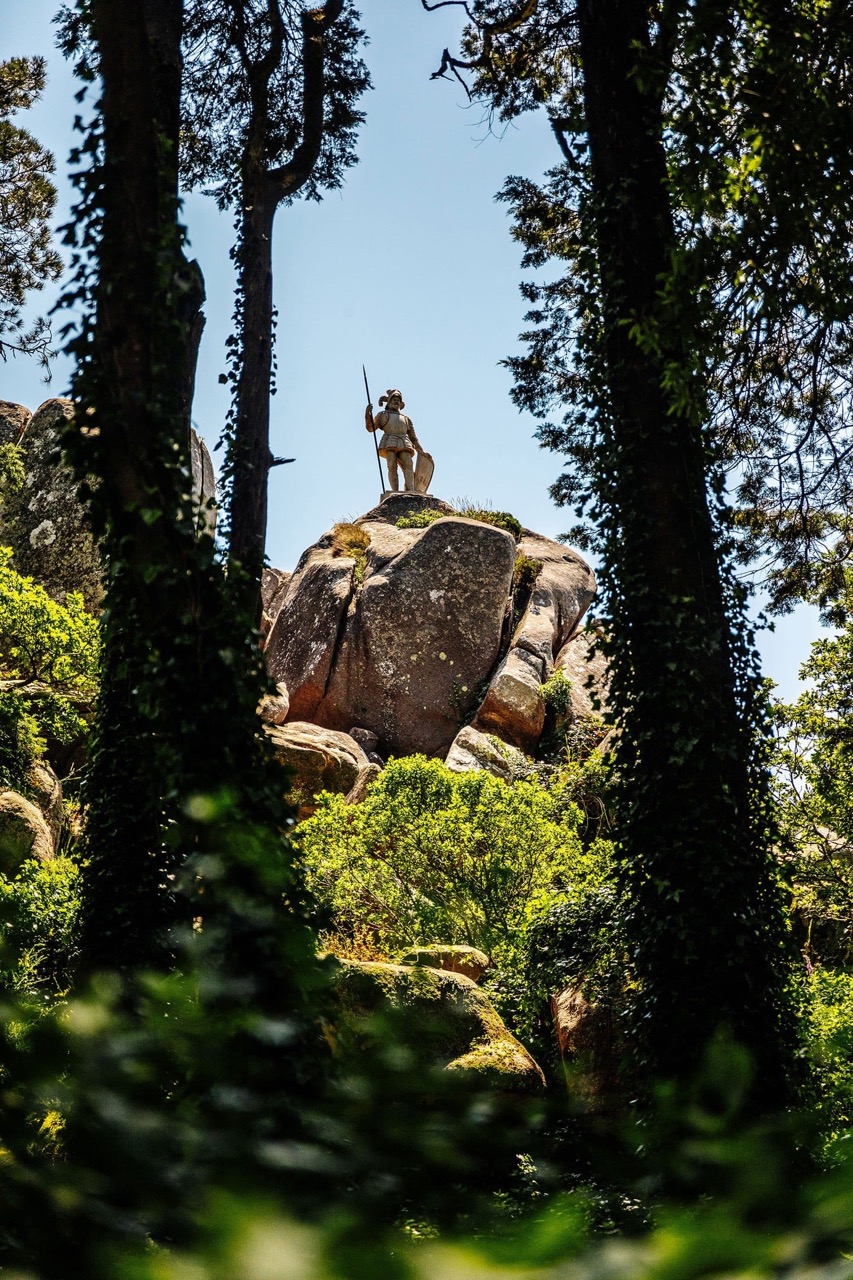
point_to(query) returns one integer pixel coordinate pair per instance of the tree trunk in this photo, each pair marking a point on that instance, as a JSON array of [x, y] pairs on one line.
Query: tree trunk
[[133, 392], [704, 920], [251, 448]]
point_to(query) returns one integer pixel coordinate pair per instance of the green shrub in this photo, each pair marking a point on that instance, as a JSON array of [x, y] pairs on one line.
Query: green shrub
[[39, 922], [43, 640], [437, 856], [828, 1045], [20, 742], [421, 519], [52, 646], [557, 694], [525, 572], [500, 519], [349, 539]]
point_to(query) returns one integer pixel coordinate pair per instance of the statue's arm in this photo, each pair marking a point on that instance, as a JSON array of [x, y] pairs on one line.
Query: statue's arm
[[368, 418], [414, 439]]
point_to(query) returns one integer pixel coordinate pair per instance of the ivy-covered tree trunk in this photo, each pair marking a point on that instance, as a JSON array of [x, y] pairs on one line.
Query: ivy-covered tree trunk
[[131, 437], [186, 807], [263, 188], [251, 454], [179, 767], [704, 916]]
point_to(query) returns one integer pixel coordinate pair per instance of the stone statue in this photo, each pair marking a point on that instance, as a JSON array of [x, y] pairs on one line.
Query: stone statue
[[398, 444]]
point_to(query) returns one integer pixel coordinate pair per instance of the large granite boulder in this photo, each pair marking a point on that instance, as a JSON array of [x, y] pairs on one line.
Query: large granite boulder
[[23, 833], [397, 636], [319, 759], [445, 1019], [404, 630], [45, 522]]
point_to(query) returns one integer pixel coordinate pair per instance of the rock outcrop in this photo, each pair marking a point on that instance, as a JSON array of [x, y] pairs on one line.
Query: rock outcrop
[[23, 833], [585, 666], [472, 750], [591, 1048], [45, 522], [14, 419], [320, 760], [403, 630], [448, 1022]]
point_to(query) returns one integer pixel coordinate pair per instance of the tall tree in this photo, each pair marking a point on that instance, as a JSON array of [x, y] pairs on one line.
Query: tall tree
[[28, 260], [174, 766], [188, 867], [269, 113], [704, 917], [758, 130]]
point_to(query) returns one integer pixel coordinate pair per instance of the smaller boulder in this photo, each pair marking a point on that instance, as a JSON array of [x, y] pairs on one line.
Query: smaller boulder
[[320, 759], [591, 1048], [273, 707], [446, 1020], [23, 833], [513, 707], [451, 958], [14, 419], [472, 750], [203, 485], [47, 793], [366, 776], [366, 739]]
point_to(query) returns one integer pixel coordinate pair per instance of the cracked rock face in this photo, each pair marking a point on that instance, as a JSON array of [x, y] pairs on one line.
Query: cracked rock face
[[45, 522], [409, 636]]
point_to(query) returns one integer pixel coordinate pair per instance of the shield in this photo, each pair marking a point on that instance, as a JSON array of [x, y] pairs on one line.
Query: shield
[[424, 468]]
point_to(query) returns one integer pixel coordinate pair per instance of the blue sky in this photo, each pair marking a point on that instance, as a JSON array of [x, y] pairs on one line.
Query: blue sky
[[410, 268]]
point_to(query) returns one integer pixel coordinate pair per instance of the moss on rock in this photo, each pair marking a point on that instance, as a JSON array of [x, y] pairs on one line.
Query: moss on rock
[[443, 1018]]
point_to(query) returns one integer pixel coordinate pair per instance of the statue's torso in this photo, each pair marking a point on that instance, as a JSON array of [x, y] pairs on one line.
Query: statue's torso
[[395, 430]]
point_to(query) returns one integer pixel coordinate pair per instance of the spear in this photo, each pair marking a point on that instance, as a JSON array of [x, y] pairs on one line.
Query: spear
[[375, 445]]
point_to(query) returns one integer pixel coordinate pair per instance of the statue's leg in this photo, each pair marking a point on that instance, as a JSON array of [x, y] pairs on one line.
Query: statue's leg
[[408, 471], [393, 482]]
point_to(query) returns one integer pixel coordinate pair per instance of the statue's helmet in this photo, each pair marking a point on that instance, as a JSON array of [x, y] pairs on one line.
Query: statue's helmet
[[393, 391]]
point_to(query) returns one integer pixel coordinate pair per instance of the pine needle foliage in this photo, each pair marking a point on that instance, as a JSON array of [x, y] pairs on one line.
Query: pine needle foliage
[[28, 260]]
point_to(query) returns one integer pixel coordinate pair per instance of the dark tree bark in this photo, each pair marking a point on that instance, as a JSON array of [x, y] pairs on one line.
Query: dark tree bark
[[263, 190], [135, 386], [704, 914]]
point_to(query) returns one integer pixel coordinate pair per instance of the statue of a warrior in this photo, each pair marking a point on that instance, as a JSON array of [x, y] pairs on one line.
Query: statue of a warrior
[[398, 444]]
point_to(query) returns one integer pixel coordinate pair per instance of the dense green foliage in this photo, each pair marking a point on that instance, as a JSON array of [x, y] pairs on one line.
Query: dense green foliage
[[182, 1115], [40, 913], [814, 785], [43, 640], [49, 657], [436, 856], [27, 198]]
